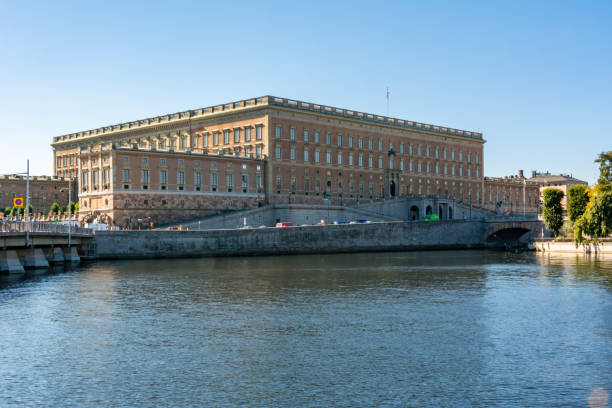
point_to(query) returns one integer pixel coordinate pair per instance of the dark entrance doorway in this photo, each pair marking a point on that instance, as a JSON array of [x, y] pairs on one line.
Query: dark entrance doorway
[[414, 213], [428, 210], [392, 188]]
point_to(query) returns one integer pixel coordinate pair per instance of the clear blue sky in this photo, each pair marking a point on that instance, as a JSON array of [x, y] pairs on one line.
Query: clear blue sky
[[534, 77]]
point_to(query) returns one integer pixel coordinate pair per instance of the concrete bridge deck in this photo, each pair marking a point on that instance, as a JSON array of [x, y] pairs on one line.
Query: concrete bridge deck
[[37, 244]]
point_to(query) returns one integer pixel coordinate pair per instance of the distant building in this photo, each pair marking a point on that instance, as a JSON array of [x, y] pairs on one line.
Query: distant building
[[511, 194], [44, 191], [300, 152], [559, 181]]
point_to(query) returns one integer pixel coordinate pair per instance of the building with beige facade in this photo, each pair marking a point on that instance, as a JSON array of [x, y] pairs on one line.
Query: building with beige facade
[[264, 150], [559, 181]]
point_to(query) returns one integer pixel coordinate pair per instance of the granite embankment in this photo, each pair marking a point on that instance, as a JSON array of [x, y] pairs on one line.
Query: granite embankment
[[387, 236], [604, 246]]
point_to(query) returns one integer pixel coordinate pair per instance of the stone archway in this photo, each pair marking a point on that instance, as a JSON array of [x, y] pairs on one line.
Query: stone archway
[[414, 213]]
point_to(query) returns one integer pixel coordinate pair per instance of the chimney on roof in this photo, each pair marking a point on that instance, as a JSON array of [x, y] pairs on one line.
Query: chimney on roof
[[521, 174]]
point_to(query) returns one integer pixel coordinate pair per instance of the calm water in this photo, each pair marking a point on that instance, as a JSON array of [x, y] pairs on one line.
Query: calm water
[[388, 329]]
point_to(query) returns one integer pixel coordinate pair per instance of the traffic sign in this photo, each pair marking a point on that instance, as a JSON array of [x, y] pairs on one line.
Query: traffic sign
[[18, 202]]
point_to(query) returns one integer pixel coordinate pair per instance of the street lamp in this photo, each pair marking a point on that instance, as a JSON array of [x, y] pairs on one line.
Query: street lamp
[[27, 210], [69, 209]]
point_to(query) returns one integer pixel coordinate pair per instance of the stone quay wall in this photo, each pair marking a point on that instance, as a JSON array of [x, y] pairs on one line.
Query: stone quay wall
[[604, 246], [387, 236]]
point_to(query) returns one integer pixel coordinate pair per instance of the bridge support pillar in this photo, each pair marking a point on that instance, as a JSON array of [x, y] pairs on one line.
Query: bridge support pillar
[[57, 256], [9, 262], [35, 258], [71, 255]]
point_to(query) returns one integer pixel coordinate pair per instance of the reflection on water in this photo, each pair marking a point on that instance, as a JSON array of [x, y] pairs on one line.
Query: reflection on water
[[396, 329]]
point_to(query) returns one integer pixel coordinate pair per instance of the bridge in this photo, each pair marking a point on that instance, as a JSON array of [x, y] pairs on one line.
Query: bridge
[[31, 245], [510, 230]]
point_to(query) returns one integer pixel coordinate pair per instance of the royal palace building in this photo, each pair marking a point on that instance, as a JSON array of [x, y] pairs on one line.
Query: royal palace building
[[260, 151]]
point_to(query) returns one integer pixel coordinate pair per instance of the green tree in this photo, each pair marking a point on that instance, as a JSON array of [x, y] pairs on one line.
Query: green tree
[[73, 207], [63, 210], [577, 200], [605, 168], [552, 211], [54, 208], [596, 221]]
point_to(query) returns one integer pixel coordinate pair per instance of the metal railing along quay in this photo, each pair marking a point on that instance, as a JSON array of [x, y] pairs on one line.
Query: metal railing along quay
[[44, 227]]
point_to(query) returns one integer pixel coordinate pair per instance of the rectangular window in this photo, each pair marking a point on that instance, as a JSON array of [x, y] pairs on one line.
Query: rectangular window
[[317, 156], [427, 151], [370, 162], [247, 151], [420, 168], [328, 137], [469, 157], [236, 135], [428, 167], [350, 159], [380, 163], [94, 178], [360, 143], [328, 158], [105, 175], [401, 148], [85, 177], [469, 171], [258, 151], [350, 141], [460, 171], [402, 164], [226, 136], [380, 145], [278, 152], [197, 178], [420, 150], [444, 154], [460, 156], [371, 144], [214, 179], [230, 180], [360, 161], [410, 149], [292, 153], [437, 168], [258, 132], [453, 155], [205, 139], [245, 180], [144, 176], [183, 142], [306, 135], [65, 160], [277, 133], [477, 172], [317, 137], [391, 164], [215, 138], [259, 181], [126, 175], [477, 158], [163, 177], [437, 153], [292, 134], [305, 155], [180, 177], [145, 161], [339, 140], [181, 163], [247, 134], [339, 159], [59, 162], [410, 166], [195, 142]]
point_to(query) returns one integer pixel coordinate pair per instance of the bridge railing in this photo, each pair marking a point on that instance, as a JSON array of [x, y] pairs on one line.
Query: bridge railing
[[34, 226]]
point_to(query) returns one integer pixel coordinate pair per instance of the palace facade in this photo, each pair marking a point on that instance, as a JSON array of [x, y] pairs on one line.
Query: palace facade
[[264, 150]]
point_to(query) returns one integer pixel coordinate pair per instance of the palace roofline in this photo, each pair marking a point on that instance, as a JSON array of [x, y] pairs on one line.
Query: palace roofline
[[258, 103]]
